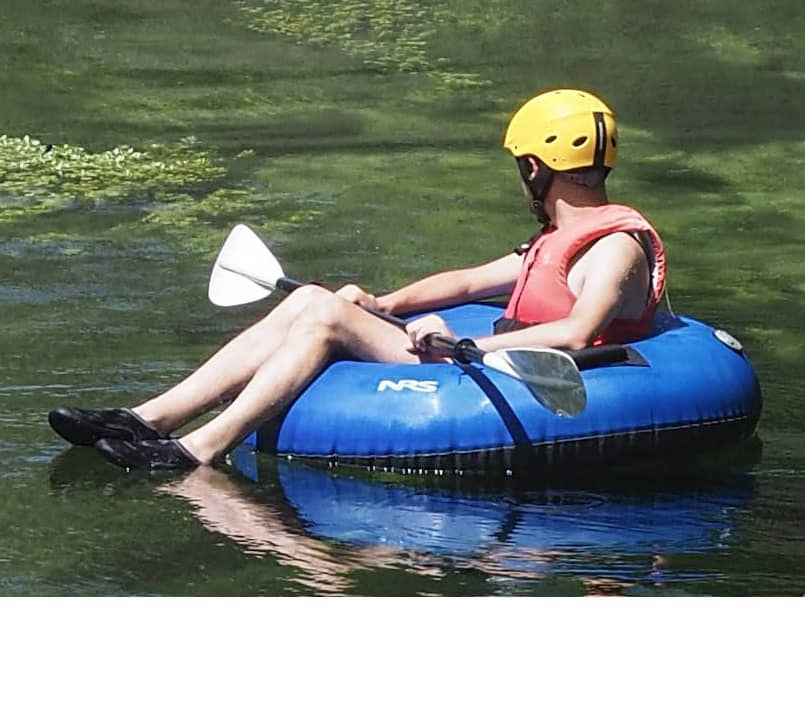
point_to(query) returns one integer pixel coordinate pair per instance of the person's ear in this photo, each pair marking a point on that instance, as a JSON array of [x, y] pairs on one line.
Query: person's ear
[[534, 168]]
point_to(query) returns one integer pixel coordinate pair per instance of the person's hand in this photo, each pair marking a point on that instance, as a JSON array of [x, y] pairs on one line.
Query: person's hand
[[420, 328], [356, 294]]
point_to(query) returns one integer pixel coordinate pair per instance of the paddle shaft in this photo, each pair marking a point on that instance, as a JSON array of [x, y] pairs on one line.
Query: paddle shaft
[[463, 351], [288, 285], [550, 375], [598, 355]]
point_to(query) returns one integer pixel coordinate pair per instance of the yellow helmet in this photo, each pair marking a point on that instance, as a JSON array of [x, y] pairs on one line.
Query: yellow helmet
[[565, 129]]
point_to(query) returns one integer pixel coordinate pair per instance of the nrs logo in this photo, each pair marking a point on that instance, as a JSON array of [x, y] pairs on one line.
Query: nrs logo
[[413, 385]]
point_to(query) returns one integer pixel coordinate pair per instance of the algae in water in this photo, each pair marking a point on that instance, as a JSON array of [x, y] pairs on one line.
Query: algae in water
[[387, 36], [38, 178]]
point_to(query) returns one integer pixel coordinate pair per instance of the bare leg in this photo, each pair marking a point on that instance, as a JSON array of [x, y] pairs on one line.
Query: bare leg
[[328, 324], [227, 371]]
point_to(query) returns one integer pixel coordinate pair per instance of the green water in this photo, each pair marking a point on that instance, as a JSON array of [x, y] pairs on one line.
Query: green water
[[363, 139]]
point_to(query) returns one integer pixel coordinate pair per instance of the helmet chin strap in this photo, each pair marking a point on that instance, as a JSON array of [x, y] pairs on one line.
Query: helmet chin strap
[[538, 185], [541, 214]]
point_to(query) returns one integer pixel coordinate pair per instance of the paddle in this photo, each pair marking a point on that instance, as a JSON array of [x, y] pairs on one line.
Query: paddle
[[246, 271]]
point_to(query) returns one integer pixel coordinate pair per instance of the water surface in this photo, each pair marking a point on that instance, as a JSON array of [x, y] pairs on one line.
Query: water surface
[[367, 148]]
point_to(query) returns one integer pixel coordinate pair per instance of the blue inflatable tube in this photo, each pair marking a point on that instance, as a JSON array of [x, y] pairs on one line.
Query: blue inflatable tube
[[698, 391]]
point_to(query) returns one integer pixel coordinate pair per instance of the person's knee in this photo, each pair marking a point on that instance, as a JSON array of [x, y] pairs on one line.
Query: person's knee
[[305, 296], [324, 314], [296, 305]]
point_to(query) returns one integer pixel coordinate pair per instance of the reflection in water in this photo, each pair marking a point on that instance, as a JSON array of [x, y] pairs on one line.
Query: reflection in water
[[329, 526], [265, 528]]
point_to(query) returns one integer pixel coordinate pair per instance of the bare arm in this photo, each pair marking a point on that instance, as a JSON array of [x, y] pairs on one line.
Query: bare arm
[[453, 287], [615, 283], [444, 289]]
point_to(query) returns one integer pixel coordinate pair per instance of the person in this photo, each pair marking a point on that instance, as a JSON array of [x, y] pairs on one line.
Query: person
[[593, 274]]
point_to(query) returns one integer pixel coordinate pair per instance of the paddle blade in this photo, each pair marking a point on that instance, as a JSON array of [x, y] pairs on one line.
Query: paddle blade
[[551, 376], [245, 270]]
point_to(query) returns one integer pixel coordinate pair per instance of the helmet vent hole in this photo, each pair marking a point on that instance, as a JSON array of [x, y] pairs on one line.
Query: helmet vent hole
[[551, 139], [581, 141], [614, 142]]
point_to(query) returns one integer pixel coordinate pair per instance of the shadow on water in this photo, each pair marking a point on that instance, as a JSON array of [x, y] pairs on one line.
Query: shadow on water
[[689, 71], [609, 532], [82, 468]]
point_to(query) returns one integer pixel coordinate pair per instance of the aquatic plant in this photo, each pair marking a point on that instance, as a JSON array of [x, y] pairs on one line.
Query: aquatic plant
[[388, 36], [178, 189], [38, 178]]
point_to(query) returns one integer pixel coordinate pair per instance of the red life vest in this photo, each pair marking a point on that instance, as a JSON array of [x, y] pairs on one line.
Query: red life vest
[[542, 295]]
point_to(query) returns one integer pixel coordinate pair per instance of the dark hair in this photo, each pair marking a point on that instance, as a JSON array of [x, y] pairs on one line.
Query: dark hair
[[591, 178]]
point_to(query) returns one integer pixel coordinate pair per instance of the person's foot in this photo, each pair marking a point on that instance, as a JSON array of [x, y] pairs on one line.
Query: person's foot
[[86, 427], [154, 454]]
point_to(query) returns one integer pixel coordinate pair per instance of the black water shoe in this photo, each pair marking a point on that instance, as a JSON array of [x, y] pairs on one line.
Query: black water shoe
[[86, 427], [154, 454]]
